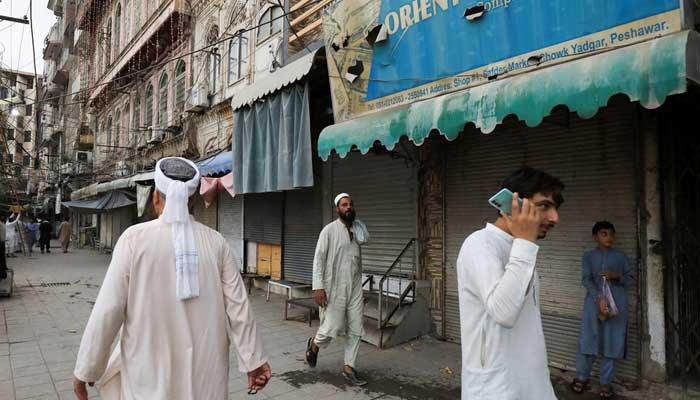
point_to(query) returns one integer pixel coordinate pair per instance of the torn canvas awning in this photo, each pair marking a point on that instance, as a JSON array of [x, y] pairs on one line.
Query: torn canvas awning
[[647, 72], [108, 201], [209, 187]]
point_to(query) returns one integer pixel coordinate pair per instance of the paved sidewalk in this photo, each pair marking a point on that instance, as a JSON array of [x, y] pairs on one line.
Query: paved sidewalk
[[41, 327]]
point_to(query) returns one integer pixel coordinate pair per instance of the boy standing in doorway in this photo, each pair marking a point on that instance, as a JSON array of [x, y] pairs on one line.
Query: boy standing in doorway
[[602, 336]]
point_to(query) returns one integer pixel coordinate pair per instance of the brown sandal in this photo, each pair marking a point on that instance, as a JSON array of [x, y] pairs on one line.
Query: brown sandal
[[606, 392], [579, 386]]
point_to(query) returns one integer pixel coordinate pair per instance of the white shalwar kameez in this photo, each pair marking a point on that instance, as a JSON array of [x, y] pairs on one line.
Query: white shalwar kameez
[[338, 270], [503, 350], [169, 349]]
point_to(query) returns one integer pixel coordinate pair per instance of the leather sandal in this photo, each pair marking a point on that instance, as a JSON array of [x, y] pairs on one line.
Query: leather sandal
[[606, 392], [311, 355], [579, 386]]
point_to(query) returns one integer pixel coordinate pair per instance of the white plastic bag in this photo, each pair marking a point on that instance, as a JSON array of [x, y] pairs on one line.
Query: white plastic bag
[[607, 297]]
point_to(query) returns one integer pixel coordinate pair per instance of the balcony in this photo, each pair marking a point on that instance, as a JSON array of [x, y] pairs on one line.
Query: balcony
[[53, 43], [167, 27]]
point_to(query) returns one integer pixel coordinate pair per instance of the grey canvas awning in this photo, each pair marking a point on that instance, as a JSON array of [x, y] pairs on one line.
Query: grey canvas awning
[[108, 201]]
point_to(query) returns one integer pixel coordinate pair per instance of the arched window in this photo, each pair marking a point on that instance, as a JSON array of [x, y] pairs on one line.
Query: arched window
[[117, 129], [117, 29], [107, 44], [136, 120], [163, 101], [180, 88], [126, 124], [137, 15], [237, 58], [270, 23], [213, 59], [127, 21], [149, 106], [108, 142]]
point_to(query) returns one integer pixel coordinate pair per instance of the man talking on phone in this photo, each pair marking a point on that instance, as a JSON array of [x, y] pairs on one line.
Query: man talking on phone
[[503, 349]]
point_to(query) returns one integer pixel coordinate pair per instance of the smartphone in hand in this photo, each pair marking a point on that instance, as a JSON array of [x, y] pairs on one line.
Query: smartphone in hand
[[503, 201]]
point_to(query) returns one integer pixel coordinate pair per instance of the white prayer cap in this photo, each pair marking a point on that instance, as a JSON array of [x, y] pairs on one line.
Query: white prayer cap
[[340, 197]]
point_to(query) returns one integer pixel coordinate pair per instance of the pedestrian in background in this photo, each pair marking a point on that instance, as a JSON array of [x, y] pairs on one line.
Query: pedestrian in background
[[504, 355], [45, 229], [30, 229], [65, 230], [12, 235], [602, 336], [337, 286], [3, 260]]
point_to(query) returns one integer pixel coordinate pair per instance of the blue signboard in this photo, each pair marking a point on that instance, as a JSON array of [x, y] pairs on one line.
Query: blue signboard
[[431, 39], [432, 48]]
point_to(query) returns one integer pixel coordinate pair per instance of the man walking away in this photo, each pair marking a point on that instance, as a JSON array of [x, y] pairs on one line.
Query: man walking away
[[337, 286], [602, 335], [65, 230], [503, 349], [175, 290], [31, 229], [45, 236]]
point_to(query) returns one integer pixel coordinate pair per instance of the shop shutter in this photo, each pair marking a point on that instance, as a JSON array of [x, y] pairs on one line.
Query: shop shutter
[[206, 216], [230, 210], [595, 159], [303, 222], [384, 192], [263, 217]]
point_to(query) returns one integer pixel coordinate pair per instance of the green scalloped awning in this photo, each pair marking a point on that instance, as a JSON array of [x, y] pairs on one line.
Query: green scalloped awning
[[646, 72]]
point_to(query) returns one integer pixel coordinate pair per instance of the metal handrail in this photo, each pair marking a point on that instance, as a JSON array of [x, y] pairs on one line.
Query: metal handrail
[[380, 323]]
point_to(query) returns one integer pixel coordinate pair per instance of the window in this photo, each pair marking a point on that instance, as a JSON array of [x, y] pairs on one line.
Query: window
[[237, 58], [117, 28], [149, 106], [127, 22], [213, 59], [136, 120], [163, 101], [13, 80], [125, 124], [10, 134], [180, 86], [26, 161], [4, 93], [27, 136], [270, 23], [108, 142], [137, 15], [30, 83], [107, 42], [28, 110], [117, 129], [37, 163]]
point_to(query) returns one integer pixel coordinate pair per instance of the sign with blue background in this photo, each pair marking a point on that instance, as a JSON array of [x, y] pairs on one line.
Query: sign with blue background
[[432, 48]]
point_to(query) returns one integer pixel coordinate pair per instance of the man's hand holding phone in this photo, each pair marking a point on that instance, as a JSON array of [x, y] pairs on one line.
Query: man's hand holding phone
[[525, 221]]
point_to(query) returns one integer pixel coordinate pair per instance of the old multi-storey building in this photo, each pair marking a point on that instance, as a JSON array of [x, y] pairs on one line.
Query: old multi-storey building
[[19, 153]]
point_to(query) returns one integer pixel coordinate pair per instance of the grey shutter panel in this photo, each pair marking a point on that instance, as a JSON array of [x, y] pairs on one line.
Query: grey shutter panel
[[263, 217], [303, 222]]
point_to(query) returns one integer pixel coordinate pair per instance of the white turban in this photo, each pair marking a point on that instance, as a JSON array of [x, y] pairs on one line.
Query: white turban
[[176, 213], [340, 197]]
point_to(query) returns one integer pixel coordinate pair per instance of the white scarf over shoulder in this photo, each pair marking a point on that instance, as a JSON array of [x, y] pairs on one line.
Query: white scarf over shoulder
[[176, 213]]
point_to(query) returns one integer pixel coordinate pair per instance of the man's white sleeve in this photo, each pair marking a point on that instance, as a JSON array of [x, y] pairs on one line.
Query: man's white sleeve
[[502, 290], [320, 260], [107, 316], [242, 327]]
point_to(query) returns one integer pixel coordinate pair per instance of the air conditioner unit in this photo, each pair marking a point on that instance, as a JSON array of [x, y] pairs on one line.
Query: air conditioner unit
[[156, 135], [83, 157], [67, 169], [198, 98]]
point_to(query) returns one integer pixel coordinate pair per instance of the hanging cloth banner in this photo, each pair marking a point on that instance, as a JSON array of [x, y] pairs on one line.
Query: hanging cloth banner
[[209, 187], [143, 193]]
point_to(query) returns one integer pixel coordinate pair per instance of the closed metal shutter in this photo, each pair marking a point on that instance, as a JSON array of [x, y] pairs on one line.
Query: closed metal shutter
[[206, 216], [384, 192], [231, 223], [595, 159], [303, 222], [263, 217]]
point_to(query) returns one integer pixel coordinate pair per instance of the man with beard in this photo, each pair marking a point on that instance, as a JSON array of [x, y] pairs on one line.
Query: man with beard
[[503, 350], [337, 286]]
